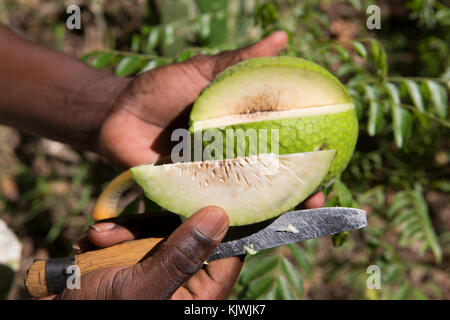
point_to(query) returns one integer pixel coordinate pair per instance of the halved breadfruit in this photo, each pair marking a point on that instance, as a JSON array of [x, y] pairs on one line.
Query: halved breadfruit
[[308, 106]]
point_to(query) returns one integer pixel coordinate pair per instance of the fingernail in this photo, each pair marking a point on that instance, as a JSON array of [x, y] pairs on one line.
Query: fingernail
[[103, 226], [76, 248], [213, 224]]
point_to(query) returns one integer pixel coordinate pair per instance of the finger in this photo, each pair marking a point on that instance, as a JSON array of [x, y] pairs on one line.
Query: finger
[[215, 280], [210, 66], [317, 200], [83, 244], [182, 255], [118, 230], [272, 45]]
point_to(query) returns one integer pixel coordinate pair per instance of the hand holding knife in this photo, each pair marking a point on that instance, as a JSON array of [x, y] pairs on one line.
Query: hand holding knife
[[50, 276]]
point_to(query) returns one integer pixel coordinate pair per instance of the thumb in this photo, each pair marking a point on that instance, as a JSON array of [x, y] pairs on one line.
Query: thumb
[[183, 254], [210, 66]]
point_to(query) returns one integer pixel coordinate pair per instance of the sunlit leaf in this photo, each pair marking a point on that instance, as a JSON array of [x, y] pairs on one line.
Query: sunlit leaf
[[135, 42], [360, 48], [104, 60], [128, 66], [393, 92], [294, 277], [258, 287], [402, 125], [438, 96], [153, 39], [344, 194], [258, 268], [301, 258], [376, 118], [415, 94], [422, 209], [283, 291], [90, 55], [342, 52]]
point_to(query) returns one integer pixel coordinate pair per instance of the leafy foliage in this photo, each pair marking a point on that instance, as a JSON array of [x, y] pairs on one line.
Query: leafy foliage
[[402, 152], [408, 110]]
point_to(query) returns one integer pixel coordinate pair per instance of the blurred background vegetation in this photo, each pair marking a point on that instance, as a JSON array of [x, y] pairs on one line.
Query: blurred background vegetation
[[399, 77]]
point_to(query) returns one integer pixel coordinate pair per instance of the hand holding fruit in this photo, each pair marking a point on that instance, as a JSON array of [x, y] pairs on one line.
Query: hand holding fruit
[[138, 129]]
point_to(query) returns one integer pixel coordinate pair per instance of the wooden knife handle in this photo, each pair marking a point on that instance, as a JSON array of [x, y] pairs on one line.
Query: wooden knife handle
[[124, 254]]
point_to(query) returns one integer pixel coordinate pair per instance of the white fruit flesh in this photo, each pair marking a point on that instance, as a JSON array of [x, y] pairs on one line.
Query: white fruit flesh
[[250, 189], [269, 88], [270, 115]]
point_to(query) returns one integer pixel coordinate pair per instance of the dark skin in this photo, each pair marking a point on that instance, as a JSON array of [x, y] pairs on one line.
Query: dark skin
[[127, 121]]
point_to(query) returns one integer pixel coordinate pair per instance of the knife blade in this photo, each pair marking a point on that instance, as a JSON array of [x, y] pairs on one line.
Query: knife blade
[[304, 224]]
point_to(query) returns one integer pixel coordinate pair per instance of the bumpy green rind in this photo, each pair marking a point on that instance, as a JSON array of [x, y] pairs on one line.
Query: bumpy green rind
[[335, 131]]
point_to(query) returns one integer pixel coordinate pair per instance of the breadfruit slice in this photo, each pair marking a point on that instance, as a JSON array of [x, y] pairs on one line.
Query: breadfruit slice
[[250, 189]]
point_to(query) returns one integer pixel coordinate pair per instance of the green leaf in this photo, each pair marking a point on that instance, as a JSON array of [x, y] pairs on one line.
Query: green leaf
[[333, 201], [258, 287], [344, 194], [376, 118], [104, 60], [86, 57], [152, 64], [379, 57], [153, 39], [400, 201], [205, 26], [339, 238], [403, 216], [271, 295], [402, 125], [403, 293], [135, 43], [293, 276], [345, 69], [359, 108], [342, 52], [258, 268], [376, 112], [438, 96], [419, 294], [128, 65], [169, 35], [360, 49], [186, 54], [415, 94], [301, 258], [422, 209], [393, 92], [283, 291], [266, 16], [375, 49]]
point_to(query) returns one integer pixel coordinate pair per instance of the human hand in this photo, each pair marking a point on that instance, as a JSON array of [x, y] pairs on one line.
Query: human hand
[[175, 270], [138, 129], [198, 281]]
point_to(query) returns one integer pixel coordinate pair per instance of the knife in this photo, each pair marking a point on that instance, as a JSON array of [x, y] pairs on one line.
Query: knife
[[45, 277]]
